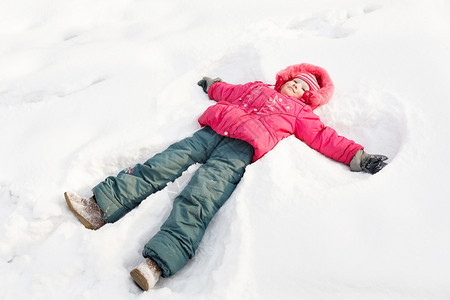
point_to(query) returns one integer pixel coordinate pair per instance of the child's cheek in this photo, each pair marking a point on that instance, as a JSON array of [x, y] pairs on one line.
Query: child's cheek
[[285, 91]]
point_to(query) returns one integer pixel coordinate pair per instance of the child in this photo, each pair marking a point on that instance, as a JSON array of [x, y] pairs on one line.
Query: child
[[246, 122]]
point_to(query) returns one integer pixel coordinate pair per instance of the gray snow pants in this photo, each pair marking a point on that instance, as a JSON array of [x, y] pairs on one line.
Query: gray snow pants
[[223, 164]]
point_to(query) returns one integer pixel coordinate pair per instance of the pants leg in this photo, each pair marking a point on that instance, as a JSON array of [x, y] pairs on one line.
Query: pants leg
[[117, 195], [193, 209]]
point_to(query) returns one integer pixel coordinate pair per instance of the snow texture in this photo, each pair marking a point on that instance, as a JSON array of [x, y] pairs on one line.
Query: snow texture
[[88, 88]]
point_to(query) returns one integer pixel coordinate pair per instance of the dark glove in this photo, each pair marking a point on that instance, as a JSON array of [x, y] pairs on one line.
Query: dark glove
[[206, 82], [370, 163]]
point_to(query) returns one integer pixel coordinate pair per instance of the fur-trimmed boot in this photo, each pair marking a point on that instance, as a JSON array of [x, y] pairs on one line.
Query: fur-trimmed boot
[[86, 210], [146, 274]]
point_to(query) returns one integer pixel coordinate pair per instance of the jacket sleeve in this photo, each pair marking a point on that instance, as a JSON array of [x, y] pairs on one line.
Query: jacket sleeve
[[222, 91], [324, 139]]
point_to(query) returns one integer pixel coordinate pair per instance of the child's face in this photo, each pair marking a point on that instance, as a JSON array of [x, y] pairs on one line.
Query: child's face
[[294, 88]]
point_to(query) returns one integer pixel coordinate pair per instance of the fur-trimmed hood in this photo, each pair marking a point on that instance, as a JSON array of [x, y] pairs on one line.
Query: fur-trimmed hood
[[319, 97]]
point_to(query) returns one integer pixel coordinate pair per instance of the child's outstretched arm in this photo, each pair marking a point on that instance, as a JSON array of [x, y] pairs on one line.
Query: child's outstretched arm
[[219, 90], [324, 139]]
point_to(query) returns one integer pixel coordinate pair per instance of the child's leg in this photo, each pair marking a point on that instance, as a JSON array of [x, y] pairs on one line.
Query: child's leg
[[118, 195], [193, 209]]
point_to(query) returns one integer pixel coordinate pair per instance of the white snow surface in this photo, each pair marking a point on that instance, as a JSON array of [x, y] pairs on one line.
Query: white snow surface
[[88, 88]]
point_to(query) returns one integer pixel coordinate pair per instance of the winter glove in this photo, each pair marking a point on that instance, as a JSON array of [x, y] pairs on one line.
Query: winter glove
[[206, 82], [370, 163]]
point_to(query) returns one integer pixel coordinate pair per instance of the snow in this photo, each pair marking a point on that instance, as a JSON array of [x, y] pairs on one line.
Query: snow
[[88, 88]]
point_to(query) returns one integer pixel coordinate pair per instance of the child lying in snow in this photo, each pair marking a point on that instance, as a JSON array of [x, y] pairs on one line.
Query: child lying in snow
[[246, 122]]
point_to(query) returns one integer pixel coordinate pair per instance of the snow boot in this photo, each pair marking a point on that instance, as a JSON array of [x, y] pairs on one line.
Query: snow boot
[[146, 274], [86, 210]]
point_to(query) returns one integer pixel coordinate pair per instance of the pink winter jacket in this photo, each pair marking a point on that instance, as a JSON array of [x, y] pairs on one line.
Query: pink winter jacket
[[259, 115]]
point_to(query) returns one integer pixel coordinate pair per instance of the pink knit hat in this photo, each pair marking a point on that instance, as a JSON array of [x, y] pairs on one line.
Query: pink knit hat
[[310, 79]]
